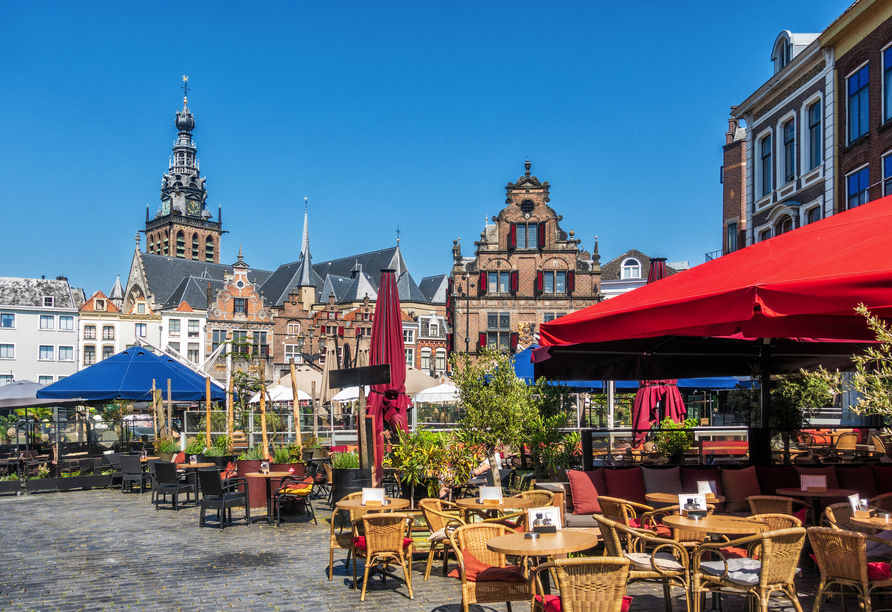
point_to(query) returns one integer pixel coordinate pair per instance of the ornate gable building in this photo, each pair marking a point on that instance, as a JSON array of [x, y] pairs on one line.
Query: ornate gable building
[[526, 270]]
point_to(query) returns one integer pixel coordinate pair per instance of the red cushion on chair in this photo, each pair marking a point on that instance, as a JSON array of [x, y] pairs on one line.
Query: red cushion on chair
[[477, 571], [635, 523], [878, 570], [230, 471], [662, 531], [552, 603], [801, 515], [180, 458], [733, 552], [359, 542], [625, 483]]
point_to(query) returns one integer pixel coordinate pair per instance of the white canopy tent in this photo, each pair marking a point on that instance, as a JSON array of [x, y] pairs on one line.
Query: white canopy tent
[[349, 394], [441, 394], [280, 393]]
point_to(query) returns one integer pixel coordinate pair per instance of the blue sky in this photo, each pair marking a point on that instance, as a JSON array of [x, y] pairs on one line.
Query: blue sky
[[383, 113]]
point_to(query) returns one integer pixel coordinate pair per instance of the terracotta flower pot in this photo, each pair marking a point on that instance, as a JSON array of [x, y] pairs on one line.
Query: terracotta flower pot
[[256, 486]]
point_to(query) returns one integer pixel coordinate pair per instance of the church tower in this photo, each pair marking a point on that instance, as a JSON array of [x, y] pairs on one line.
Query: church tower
[[183, 226]]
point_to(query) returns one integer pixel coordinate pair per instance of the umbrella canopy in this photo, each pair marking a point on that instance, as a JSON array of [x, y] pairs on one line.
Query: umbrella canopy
[[306, 375], [128, 375], [441, 394], [331, 363], [23, 394], [388, 402], [281, 393], [417, 381], [349, 394]]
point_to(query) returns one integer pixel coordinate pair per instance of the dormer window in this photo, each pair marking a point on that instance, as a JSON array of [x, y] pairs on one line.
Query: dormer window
[[140, 308], [48, 301], [100, 305], [783, 52], [631, 268]]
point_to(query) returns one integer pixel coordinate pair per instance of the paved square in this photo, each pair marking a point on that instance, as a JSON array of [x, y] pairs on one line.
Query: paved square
[[101, 550]]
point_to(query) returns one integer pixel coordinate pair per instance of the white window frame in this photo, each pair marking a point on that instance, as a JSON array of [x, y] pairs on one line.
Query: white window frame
[[59, 352], [883, 173], [426, 353], [86, 327], [626, 265], [9, 314], [113, 333], [12, 344], [174, 333], [433, 329], [408, 336], [291, 350], [145, 329], [808, 210], [84, 355], [9, 378], [440, 353], [757, 158], [845, 194], [68, 318], [40, 348], [883, 117], [39, 382], [49, 301], [105, 346], [193, 346], [52, 320], [780, 165], [293, 328], [410, 355], [197, 332]]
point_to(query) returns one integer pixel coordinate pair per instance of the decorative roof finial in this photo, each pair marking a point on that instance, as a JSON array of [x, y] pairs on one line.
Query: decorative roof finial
[[527, 166], [185, 89], [138, 237], [397, 234], [240, 258]]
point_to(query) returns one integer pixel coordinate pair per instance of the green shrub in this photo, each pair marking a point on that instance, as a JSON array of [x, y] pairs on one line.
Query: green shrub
[[222, 442], [216, 452], [195, 446], [341, 461], [252, 454], [281, 455], [166, 445]]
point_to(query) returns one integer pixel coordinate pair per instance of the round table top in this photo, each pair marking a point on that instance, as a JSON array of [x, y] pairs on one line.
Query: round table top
[[471, 503], [717, 523], [877, 522], [561, 542], [796, 492], [672, 498], [148, 458], [395, 503], [267, 475], [181, 466]]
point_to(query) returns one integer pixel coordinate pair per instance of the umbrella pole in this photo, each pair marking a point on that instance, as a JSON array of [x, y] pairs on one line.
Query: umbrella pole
[[207, 395], [297, 437], [230, 401], [154, 410], [313, 404], [263, 421], [360, 427], [169, 427]]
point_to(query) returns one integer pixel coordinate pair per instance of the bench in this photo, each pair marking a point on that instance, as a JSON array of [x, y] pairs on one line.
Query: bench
[[733, 448]]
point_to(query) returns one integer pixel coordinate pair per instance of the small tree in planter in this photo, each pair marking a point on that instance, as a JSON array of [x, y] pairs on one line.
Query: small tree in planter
[[166, 448], [419, 456]]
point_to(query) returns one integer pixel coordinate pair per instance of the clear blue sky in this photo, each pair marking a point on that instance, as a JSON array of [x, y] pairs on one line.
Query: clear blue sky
[[382, 113]]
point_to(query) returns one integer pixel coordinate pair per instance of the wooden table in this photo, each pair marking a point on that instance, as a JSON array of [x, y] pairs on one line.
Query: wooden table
[[269, 494], [720, 524], [877, 522], [547, 544], [147, 459], [394, 503], [672, 498], [815, 495]]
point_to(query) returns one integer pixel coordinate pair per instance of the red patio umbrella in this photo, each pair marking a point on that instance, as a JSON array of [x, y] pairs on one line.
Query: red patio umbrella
[[650, 394], [388, 403]]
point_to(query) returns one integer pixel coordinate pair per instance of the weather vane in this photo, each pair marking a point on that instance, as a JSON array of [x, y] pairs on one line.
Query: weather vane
[[185, 88], [397, 234]]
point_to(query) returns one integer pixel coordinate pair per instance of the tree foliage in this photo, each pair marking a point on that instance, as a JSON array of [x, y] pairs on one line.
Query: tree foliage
[[873, 370]]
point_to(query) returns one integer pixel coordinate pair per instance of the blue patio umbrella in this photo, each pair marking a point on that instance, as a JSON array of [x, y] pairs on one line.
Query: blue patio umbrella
[[128, 376]]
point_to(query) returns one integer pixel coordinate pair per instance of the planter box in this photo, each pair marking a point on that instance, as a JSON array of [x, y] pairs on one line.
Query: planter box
[[256, 487], [349, 480], [83, 482], [43, 484], [10, 486]]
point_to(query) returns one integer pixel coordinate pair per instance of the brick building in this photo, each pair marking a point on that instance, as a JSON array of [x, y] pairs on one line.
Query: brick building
[[734, 222], [525, 267]]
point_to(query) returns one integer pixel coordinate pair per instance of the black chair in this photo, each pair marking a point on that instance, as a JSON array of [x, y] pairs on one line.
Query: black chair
[[297, 490], [117, 476], [131, 470], [222, 496], [168, 483]]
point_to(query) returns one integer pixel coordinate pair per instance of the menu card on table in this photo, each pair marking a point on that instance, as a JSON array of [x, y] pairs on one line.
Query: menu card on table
[[545, 517], [690, 502], [707, 487], [492, 495], [372, 497], [816, 482]]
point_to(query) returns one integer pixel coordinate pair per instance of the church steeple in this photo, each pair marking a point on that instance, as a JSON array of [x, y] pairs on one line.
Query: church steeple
[[183, 227], [305, 281]]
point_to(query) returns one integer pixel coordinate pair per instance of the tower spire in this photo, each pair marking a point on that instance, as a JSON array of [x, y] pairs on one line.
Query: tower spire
[[305, 270]]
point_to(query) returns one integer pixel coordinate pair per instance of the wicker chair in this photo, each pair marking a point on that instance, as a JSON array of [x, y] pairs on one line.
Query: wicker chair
[[774, 571], [587, 585], [622, 511], [472, 539], [652, 521], [343, 538], [514, 520], [386, 539], [839, 516], [882, 502], [777, 504], [842, 559], [653, 559], [440, 516], [845, 444]]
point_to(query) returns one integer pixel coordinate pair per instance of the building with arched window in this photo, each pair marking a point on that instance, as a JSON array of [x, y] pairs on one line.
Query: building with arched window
[[629, 271]]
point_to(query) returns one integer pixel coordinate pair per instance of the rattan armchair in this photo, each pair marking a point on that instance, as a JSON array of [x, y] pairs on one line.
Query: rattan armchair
[[472, 539], [842, 558], [587, 584], [386, 539], [778, 504], [839, 516], [882, 502], [441, 516], [341, 537], [774, 571], [622, 511], [653, 559], [515, 520], [652, 521]]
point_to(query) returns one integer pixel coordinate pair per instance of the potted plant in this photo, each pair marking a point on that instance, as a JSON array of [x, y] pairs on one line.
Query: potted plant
[[347, 476], [167, 448], [11, 483], [220, 452], [249, 463], [675, 438], [419, 456], [288, 459], [310, 444], [196, 446]]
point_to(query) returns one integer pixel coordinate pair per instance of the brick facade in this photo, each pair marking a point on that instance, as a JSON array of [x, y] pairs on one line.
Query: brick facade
[[733, 187]]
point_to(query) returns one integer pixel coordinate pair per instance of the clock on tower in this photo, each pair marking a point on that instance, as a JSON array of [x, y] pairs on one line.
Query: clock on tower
[[192, 208]]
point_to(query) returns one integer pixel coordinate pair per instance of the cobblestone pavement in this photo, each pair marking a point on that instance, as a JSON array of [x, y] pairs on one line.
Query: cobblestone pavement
[[101, 550]]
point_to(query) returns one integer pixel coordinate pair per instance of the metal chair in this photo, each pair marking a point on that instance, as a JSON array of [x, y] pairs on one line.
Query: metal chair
[[131, 472], [294, 489], [170, 484], [222, 497]]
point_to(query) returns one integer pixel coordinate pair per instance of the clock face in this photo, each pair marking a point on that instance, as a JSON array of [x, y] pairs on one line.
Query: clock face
[[165, 206], [193, 208]]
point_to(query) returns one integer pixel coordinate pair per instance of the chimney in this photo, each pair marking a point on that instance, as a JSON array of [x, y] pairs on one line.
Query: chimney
[[733, 124]]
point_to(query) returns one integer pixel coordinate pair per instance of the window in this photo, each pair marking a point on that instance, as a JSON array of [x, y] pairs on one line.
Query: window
[[261, 348], [631, 268], [174, 345], [814, 135], [783, 54], [408, 336], [498, 330], [732, 237], [194, 246], [107, 351], [100, 304], [108, 332], [499, 282], [209, 250], [6, 379], [174, 327], [141, 330], [293, 329], [66, 323], [332, 314], [813, 214], [887, 84], [240, 342], [433, 330], [48, 301], [527, 235], [46, 353], [784, 225], [44, 380], [425, 359], [192, 354], [181, 245], [218, 337], [194, 327], [7, 351], [7, 320], [859, 114], [555, 282], [66, 353], [291, 352], [765, 235], [887, 175], [441, 360], [548, 317], [789, 131], [89, 354], [140, 308], [410, 357], [857, 184], [765, 165], [240, 306], [89, 332], [47, 322], [366, 331]]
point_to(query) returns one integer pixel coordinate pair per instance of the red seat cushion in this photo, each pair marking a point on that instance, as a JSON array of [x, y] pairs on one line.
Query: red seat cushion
[[627, 484], [552, 603], [477, 571], [180, 458], [635, 523], [230, 471], [359, 542], [877, 570], [733, 552], [801, 515], [662, 531]]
